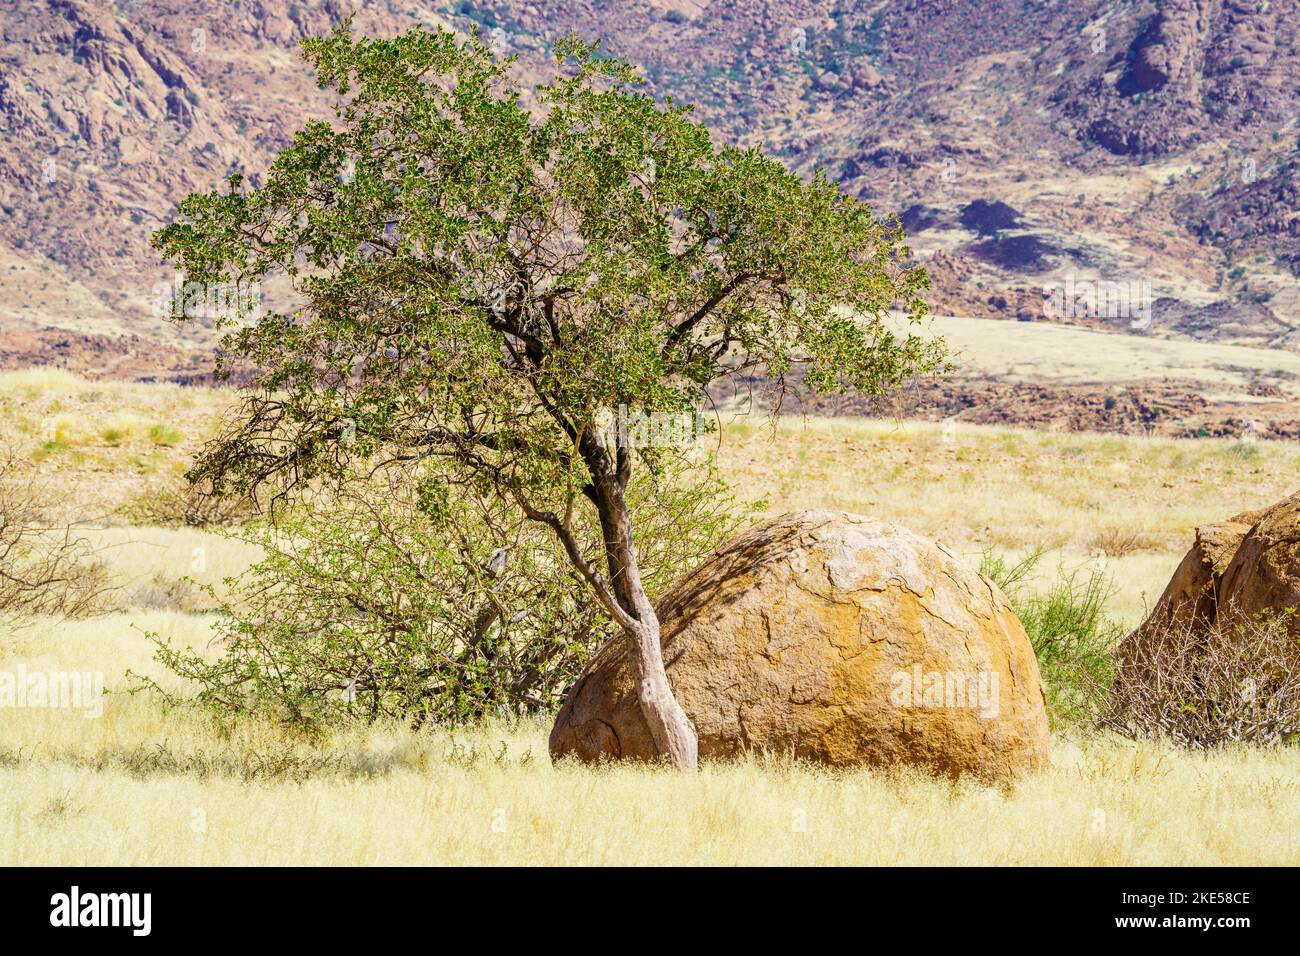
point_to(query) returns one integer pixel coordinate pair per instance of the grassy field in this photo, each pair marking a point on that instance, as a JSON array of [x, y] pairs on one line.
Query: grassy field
[[1060, 354], [138, 784], [1126, 504]]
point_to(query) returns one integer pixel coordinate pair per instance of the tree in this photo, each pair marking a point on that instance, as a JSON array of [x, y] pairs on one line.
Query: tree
[[486, 282]]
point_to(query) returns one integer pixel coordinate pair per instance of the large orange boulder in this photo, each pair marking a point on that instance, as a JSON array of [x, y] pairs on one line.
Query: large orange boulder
[[837, 639], [1246, 566]]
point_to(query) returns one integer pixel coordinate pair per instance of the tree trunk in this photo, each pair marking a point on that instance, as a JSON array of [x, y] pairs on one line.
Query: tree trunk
[[673, 733]]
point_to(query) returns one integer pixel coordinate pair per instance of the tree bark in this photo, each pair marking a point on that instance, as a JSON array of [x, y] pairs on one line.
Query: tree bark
[[672, 730], [673, 733]]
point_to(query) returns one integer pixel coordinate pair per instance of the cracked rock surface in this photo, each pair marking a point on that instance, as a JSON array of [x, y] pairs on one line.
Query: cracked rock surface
[[837, 639], [1244, 567]]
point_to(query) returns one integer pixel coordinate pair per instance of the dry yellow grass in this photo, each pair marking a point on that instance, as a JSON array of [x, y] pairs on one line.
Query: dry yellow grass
[[99, 448], [139, 784], [168, 567], [988, 486], [1014, 490], [429, 802], [1047, 352]]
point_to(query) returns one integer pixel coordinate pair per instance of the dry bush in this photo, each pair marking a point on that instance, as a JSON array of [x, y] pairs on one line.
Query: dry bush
[[1204, 684], [1119, 542], [44, 568]]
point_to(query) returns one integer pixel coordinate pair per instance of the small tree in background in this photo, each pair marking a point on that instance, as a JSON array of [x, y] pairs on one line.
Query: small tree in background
[[45, 567], [484, 283]]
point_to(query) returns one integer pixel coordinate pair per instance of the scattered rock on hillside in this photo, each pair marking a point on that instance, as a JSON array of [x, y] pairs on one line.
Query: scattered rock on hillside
[[1255, 213], [837, 639], [919, 217], [112, 113], [1164, 49], [126, 357], [1240, 322], [1192, 71]]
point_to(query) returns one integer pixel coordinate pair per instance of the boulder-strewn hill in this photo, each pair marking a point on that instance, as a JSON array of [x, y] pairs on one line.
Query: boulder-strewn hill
[[1028, 144]]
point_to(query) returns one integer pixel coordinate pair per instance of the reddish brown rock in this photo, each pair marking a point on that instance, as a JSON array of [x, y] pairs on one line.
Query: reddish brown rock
[[837, 639], [1247, 565]]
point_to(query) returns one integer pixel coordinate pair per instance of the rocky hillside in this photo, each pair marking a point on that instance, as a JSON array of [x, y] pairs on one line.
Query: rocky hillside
[[1144, 146]]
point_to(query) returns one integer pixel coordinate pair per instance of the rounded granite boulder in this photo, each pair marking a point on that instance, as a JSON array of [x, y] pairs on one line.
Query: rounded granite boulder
[[837, 639]]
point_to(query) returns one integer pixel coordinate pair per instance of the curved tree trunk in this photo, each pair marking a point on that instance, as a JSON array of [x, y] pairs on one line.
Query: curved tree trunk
[[673, 733]]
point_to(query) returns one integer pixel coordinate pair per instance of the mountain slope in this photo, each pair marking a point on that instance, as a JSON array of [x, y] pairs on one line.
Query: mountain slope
[[1028, 144]]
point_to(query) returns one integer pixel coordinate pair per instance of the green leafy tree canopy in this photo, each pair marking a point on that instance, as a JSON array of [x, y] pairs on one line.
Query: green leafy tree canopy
[[484, 276]]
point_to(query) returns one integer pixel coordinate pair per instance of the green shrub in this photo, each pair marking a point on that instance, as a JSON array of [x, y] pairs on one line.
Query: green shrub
[[1067, 626], [1246, 451], [163, 435], [405, 596]]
